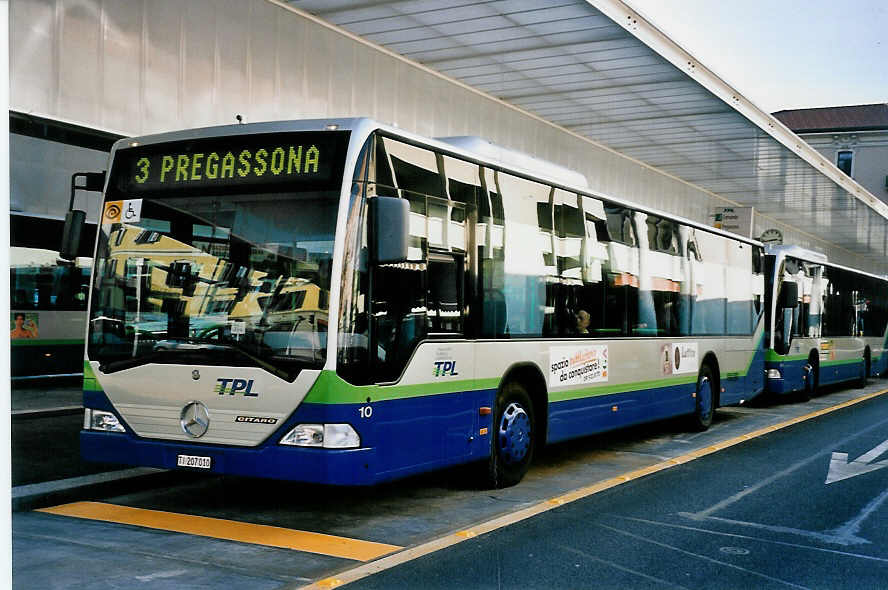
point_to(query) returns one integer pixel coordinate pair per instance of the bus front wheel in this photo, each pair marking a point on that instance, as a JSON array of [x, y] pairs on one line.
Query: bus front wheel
[[704, 407], [513, 437]]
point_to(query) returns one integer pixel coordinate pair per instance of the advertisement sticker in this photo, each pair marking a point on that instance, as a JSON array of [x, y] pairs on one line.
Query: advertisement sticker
[[24, 325], [577, 365], [684, 358]]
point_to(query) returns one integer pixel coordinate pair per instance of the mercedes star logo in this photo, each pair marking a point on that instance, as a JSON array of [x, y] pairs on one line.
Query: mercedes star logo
[[195, 419]]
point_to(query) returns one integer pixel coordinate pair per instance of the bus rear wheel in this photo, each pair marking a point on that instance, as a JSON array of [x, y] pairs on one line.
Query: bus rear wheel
[[865, 370], [513, 437], [704, 408]]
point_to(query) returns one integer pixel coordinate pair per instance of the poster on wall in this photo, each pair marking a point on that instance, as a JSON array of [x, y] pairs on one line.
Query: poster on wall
[[577, 365]]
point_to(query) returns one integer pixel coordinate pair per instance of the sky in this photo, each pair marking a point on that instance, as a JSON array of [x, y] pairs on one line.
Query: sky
[[784, 54]]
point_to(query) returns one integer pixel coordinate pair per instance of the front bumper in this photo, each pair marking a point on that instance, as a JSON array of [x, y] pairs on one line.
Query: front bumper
[[310, 465]]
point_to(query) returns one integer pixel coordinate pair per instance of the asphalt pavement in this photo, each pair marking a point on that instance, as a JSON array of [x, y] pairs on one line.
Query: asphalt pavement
[[756, 515], [703, 520]]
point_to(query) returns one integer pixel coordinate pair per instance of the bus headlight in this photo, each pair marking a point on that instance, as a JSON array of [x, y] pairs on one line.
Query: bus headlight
[[99, 420], [328, 436], [774, 374]]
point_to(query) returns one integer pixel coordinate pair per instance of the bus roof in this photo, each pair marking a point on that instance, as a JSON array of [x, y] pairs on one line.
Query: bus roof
[[817, 258], [471, 148]]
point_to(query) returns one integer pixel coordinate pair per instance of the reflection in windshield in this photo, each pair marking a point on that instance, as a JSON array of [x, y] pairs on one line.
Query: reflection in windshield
[[240, 279]]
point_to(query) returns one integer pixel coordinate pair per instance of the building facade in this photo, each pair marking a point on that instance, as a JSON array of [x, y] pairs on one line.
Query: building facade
[[855, 138]]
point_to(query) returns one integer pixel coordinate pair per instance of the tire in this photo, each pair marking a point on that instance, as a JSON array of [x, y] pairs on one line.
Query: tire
[[861, 382], [513, 437], [704, 407], [810, 382]]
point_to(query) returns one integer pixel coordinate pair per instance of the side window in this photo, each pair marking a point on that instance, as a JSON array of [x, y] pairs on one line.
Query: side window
[[490, 256], [661, 276], [758, 283], [577, 298], [874, 307], [528, 254], [840, 304], [444, 301], [380, 171], [619, 225], [615, 307], [399, 316], [37, 280], [394, 307], [710, 278], [417, 176], [740, 289]]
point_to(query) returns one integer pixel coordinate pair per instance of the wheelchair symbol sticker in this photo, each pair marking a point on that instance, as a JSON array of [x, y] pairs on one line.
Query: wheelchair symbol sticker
[[131, 211]]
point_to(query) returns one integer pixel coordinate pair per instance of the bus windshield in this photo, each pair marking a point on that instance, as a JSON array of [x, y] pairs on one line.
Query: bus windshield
[[237, 279]]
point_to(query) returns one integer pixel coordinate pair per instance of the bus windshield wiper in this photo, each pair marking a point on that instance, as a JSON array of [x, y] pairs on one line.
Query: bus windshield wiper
[[193, 355]]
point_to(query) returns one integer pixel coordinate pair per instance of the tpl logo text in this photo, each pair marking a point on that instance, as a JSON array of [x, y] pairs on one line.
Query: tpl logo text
[[445, 368], [234, 386]]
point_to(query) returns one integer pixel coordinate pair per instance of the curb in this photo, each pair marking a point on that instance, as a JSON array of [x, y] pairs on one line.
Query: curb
[[45, 412], [36, 495]]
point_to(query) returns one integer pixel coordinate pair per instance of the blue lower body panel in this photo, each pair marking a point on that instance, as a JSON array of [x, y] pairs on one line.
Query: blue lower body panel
[[340, 467], [585, 416], [794, 376], [404, 437]]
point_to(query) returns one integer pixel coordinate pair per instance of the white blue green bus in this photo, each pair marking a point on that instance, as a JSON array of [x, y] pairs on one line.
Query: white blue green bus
[[345, 303], [827, 323], [47, 300]]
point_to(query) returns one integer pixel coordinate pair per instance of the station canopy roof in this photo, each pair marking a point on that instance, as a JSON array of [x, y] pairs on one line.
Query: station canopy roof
[[598, 69]]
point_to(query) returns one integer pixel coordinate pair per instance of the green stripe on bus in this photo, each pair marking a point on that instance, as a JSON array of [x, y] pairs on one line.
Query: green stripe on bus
[[779, 358], [46, 341], [90, 383], [621, 388], [332, 389], [841, 362]]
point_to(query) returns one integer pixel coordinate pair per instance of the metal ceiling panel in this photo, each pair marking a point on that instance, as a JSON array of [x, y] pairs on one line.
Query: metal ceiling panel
[[599, 70]]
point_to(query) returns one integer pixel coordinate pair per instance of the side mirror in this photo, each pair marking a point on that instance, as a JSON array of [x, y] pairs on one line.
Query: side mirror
[[74, 221], [74, 218], [92, 181], [389, 229], [789, 295]]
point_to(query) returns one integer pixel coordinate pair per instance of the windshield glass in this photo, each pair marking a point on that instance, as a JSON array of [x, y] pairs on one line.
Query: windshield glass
[[237, 278]]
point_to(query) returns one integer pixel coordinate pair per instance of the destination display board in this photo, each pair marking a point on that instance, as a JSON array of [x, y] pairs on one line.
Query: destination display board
[[240, 162]]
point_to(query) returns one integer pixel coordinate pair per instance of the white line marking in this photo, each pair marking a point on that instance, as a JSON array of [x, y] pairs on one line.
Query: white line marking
[[704, 558], [848, 531], [823, 537], [768, 480], [758, 539], [621, 568]]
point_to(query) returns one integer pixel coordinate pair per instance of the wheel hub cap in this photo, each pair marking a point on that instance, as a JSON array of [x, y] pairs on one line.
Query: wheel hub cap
[[514, 434]]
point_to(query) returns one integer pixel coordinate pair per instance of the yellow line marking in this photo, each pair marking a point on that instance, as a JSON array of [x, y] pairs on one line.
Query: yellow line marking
[[217, 528], [388, 562]]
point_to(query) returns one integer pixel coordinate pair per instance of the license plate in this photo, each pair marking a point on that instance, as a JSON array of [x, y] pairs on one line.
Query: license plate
[[193, 461]]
